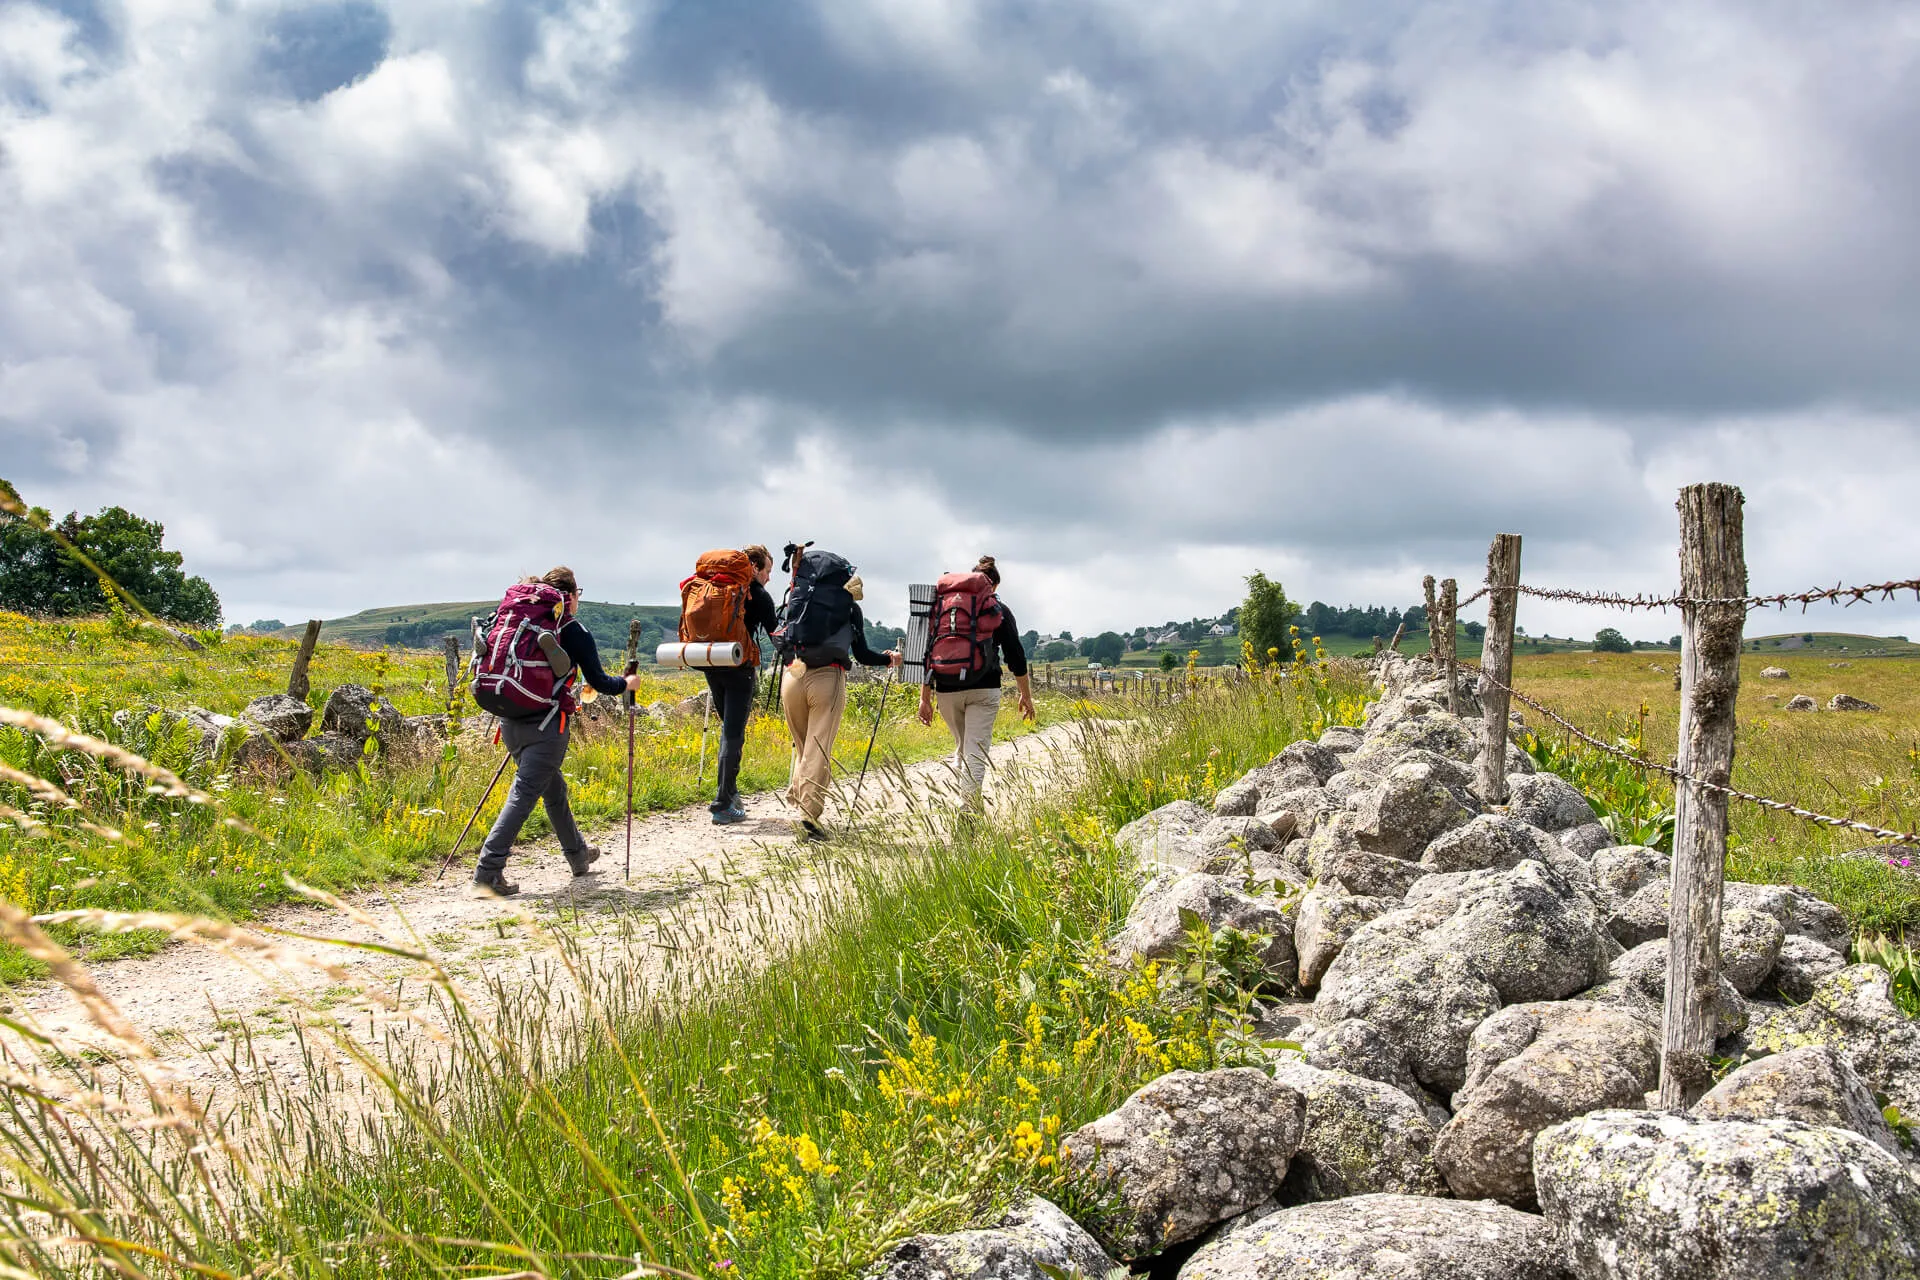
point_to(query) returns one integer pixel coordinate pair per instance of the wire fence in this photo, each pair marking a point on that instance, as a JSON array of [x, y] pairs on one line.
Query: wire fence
[[1871, 592]]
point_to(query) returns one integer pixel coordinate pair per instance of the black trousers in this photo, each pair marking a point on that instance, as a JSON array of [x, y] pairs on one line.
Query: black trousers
[[732, 689]]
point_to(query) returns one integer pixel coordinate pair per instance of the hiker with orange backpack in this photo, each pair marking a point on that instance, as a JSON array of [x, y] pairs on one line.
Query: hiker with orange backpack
[[527, 661], [726, 600], [972, 636]]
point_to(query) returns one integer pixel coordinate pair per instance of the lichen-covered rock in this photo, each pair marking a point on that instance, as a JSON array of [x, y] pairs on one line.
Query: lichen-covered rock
[[1773, 673], [1341, 738], [1625, 869], [1154, 930], [1383, 1237], [1361, 1137], [1166, 835], [1638, 983], [1853, 1011], [1640, 1195], [1492, 841], [1801, 702], [1801, 966], [1327, 918], [1247, 834], [1288, 863], [1408, 728], [1025, 1243], [1349, 786], [1314, 756], [1430, 972], [1549, 802], [1357, 1046], [1406, 811], [1188, 1150], [1334, 857], [1749, 945], [1518, 761], [1587, 839], [1530, 1066], [1283, 775], [1643, 916], [355, 711], [1847, 702], [1238, 800], [283, 718], [1799, 911], [1812, 1084]]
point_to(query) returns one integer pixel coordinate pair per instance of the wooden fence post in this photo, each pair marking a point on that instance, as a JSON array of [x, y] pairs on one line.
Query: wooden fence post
[[1399, 634], [452, 645], [1450, 607], [1713, 566], [1433, 624], [1496, 659], [297, 682]]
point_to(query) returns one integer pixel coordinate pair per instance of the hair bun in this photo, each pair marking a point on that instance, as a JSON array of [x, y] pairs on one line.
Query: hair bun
[[985, 565]]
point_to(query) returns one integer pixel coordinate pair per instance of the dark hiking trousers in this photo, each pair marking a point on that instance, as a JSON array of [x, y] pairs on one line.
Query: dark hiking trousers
[[537, 755], [732, 689]]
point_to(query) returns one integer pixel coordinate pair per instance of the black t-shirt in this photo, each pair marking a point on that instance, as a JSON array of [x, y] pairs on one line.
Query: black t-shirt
[[1005, 648]]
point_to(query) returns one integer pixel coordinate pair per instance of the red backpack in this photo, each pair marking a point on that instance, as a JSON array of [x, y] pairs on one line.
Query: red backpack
[[966, 613], [511, 674]]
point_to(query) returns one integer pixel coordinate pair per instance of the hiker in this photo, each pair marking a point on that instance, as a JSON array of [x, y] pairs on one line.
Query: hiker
[[972, 636], [822, 633], [726, 600], [526, 668]]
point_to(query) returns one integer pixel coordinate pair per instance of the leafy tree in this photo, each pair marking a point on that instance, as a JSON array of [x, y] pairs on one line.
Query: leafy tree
[[1265, 616], [1167, 660], [1674, 643], [1056, 651], [40, 574], [1475, 630], [1108, 647], [1611, 641], [1029, 642], [1067, 636]]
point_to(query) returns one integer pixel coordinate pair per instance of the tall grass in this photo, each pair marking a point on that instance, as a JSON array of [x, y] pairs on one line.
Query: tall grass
[[923, 1011]]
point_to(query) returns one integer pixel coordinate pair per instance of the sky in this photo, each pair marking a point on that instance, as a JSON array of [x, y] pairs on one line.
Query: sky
[[375, 303]]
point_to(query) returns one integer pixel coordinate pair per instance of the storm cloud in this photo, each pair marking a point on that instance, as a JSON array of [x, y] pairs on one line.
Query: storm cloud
[[374, 303]]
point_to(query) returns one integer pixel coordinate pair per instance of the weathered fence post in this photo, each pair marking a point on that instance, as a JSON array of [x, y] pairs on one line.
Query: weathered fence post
[[1450, 606], [1399, 634], [1433, 624], [1496, 659], [297, 682], [452, 646], [1713, 567]]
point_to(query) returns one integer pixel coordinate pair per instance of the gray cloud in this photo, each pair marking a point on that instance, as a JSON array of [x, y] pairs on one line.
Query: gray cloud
[[377, 303]]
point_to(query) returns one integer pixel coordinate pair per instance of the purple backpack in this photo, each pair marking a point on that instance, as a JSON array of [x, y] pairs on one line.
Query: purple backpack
[[511, 675]]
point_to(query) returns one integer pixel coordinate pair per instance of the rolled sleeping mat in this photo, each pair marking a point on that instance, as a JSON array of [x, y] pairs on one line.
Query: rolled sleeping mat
[[700, 653]]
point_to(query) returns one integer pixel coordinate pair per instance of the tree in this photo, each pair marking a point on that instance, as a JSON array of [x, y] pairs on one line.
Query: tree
[[1067, 636], [1167, 660], [1265, 616], [40, 571], [1029, 642], [1611, 641], [1107, 647], [1475, 630], [1674, 643], [1056, 651]]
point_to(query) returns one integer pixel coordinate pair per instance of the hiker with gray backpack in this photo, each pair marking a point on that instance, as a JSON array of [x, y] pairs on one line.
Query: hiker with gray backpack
[[822, 633], [971, 638], [529, 659]]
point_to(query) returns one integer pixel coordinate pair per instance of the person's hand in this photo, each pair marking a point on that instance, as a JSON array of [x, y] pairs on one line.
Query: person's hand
[[1026, 705], [633, 683], [926, 706], [895, 658]]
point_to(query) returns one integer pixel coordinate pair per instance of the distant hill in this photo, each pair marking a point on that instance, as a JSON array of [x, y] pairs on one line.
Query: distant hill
[[1853, 646], [421, 626]]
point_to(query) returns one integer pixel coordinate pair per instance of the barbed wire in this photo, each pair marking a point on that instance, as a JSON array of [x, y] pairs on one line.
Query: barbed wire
[[1612, 749], [1870, 593]]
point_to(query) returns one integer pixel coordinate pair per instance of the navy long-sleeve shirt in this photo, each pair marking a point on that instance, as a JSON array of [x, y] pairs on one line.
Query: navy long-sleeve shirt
[[580, 646]]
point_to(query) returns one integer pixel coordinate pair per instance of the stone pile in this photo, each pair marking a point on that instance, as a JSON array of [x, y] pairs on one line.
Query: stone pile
[[1476, 993]]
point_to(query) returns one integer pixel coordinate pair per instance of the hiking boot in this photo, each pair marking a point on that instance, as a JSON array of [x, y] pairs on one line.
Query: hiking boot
[[731, 814], [581, 863], [811, 830], [497, 886]]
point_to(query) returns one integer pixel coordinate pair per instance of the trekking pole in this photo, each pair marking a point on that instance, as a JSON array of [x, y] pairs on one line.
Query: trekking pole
[[626, 702], [885, 689], [476, 814], [706, 723]]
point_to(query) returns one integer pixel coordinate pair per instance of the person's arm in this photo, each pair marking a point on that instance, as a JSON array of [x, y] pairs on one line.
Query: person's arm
[[579, 644], [1014, 655], [761, 611], [862, 651]]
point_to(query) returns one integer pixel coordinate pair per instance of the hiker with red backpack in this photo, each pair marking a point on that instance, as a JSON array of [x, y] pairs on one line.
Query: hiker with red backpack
[[528, 660], [972, 636], [822, 634], [725, 601]]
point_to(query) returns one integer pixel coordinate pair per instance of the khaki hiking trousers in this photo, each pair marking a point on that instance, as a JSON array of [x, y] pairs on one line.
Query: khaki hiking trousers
[[969, 716], [814, 702]]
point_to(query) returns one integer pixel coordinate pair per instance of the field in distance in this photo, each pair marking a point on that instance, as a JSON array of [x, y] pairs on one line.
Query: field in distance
[[421, 626]]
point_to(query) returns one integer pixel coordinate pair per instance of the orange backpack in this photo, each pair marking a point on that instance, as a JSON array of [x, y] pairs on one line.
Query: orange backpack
[[713, 602]]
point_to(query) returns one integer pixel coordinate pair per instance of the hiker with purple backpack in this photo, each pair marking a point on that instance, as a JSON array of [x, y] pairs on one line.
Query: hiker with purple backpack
[[528, 660], [972, 636]]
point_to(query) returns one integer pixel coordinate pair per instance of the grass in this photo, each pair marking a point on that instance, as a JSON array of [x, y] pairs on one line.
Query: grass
[[340, 831], [910, 1062], [1863, 766]]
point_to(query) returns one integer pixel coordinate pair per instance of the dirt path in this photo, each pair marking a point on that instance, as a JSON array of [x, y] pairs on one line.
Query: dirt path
[[697, 892]]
